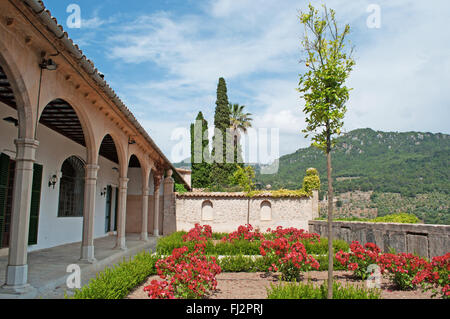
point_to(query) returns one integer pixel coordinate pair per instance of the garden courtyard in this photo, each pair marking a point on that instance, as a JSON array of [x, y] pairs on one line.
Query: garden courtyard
[[281, 263]]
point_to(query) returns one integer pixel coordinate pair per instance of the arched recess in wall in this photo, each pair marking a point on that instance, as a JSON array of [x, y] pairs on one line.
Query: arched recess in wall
[[15, 108], [59, 116], [71, 188], [266, 210], [134, 196], [207, 210], [13, 93], [109, 150]]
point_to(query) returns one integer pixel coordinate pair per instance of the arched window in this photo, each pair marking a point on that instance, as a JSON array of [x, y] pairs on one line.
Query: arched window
[[266, 210], [71, 188], [207, 210]]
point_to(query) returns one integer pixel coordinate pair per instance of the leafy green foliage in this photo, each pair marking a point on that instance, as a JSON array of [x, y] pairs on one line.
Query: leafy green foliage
[[403, 218], [117, 282], [328, 64], [408, 163], [407, 171], [180, 189], [200, 157], [312, 180], [243, 177], [310, 291], [239, 122], [221, 169]]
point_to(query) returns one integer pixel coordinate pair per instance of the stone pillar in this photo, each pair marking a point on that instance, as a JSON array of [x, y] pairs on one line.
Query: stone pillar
[[17, 269], [157, 183], [169, 222], [315, 204], [122, 213], [144, 232], [90, 190]]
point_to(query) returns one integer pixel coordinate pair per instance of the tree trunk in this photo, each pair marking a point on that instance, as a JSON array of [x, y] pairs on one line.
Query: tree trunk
[[330, 225]]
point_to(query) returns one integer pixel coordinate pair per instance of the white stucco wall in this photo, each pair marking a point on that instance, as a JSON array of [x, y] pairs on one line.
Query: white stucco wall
[[53, 150], [228, 213]]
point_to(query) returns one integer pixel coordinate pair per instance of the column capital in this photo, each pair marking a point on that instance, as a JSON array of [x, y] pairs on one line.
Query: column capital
[[26, 149], [91, 171], [92, 167], [123, 182], [26, 141], [145, 190]]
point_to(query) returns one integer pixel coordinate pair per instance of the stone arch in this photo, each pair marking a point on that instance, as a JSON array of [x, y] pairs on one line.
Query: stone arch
[[265, 210], [21, 94], [119, 149], [207, 210], [85, 123]]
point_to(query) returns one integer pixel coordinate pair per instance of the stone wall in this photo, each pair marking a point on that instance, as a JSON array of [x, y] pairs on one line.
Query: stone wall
[[224, 212], [425, 240]]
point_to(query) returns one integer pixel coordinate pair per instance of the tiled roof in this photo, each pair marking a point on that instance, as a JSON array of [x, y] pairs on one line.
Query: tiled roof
[[39, 9]]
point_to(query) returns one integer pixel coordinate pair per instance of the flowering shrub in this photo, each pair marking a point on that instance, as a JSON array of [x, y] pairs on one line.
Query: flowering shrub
[[198, 233], [359, 259], [244, 233], [293, 234], [436, 276], [402, 268], [288, 258], [187, 275]]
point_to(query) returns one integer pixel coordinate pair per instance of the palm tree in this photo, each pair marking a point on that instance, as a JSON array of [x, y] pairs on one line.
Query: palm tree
[[239, 122]]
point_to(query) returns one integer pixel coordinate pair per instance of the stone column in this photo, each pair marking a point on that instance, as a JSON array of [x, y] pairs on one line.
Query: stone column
[[17, 269], [122, 213], [169, 222], [90, 190], [144, 232], [157, 184]]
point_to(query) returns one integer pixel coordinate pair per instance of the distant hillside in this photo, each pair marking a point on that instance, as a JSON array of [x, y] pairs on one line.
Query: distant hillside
[[408, 163]]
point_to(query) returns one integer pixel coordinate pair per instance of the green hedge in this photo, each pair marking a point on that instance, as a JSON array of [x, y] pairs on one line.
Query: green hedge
[[403, 218], [167, 244], [241, 263], [309, 291], [118, 281]]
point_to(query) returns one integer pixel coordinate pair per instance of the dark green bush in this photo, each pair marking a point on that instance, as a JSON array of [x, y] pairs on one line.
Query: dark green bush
[[118, 281], [240, 263]]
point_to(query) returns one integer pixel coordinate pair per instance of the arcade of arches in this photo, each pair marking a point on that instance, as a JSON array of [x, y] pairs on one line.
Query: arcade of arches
[[74, 163]]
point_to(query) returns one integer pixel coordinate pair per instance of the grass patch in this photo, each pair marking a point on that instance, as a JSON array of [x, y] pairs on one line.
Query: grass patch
[[309, 291], [118, 281]]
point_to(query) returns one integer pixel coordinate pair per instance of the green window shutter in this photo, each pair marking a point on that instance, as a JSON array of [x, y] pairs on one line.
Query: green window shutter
[[4, 172], [35, 204]]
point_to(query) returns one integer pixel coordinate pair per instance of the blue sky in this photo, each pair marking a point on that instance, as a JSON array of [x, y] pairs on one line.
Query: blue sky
[[164, 58]]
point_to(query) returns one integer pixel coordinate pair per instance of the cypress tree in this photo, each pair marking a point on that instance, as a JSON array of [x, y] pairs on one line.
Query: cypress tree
[[222, 171], [200, 158]]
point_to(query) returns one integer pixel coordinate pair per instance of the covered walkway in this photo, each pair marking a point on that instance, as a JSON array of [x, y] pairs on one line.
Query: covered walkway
[[47, 267]]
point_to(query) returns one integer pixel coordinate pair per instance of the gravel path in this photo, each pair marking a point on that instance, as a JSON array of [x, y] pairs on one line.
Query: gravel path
[[254, 285]]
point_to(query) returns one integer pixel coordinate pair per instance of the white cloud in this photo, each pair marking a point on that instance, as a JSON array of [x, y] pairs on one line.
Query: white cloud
[[400, 81]]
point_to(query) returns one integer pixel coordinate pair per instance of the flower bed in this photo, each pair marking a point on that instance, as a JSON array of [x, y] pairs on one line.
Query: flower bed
[[186, 274], [406, 271]]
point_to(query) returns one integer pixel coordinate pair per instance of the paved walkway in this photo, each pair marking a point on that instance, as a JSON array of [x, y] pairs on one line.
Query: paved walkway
[[47, 267]]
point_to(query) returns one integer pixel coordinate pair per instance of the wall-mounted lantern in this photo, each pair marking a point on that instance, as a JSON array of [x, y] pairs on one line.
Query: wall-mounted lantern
[[103, 193], [53, 180]]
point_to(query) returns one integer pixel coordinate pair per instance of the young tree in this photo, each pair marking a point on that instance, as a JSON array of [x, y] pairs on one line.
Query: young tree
[[328, 62], [200, 157]]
